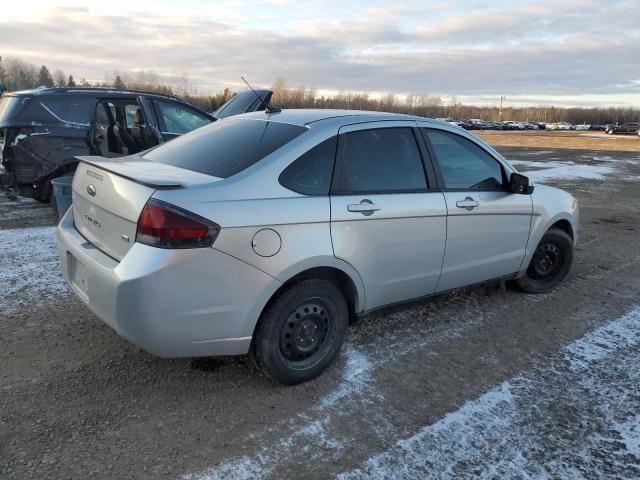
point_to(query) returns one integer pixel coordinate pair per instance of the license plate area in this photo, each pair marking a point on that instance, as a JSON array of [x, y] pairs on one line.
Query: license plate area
[[78, 277]]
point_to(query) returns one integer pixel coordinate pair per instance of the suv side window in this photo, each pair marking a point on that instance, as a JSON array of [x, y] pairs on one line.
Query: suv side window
[[177, 119], [310, 174], [381, 160], [463, 164]]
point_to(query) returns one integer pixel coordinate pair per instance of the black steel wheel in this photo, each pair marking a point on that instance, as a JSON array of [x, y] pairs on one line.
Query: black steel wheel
[[300, 333], [550, 263]]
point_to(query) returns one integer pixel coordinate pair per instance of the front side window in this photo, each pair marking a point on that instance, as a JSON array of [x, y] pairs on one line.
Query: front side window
[[463, 164], [225, 147], [177, 119], [311, 173], [382, 160]]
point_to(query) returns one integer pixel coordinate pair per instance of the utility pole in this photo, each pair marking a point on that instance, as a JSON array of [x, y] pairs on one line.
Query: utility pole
[[502, 99]]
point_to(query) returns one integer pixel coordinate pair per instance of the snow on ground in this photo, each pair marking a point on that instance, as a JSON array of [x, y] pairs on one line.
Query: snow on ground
[[572, 172], [578, 417], [556, 170], [29, 268], [356, 390]]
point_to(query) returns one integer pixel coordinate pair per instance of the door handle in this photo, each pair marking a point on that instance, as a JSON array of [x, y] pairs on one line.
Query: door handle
[[468, 203], [365, 207]]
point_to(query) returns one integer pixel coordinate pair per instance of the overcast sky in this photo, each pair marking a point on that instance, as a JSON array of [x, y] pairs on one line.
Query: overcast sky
[[570, 52]]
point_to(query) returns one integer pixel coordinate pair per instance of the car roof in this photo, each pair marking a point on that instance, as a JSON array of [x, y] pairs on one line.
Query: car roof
[[309, 116], [87, 91]]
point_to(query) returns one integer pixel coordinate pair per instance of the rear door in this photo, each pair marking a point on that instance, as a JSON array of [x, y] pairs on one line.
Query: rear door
[[387, 218], [487, 226]]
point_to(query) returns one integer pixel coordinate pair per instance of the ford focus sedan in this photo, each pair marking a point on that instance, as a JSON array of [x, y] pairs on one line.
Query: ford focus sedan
[[266, 233]]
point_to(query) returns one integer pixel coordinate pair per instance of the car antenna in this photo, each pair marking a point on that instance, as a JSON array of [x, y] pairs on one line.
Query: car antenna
[[267, 108]]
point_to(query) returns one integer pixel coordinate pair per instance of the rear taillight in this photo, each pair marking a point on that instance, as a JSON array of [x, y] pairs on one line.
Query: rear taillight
[[167, 226]]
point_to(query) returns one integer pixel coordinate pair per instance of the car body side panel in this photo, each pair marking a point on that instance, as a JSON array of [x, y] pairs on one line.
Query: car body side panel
[[38, 152], [550, 205], [296, 229], [486, 242]]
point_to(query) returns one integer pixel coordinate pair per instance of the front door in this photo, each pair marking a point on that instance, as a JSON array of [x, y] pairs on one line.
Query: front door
[[487, 226], [385, 220]]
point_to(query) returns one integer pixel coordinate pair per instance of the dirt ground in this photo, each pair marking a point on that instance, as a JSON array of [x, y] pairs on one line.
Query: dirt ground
[[577, 140], [474, 383]]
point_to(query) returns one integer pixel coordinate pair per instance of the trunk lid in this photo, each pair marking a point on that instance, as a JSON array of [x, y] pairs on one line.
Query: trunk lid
[[109, 195]]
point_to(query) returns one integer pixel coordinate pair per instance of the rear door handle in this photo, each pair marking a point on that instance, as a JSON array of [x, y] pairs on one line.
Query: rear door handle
[[365, 207], [468, 203]]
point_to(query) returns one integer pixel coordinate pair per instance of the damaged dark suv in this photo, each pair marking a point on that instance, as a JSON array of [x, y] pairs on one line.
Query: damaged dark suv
[[41, 131]]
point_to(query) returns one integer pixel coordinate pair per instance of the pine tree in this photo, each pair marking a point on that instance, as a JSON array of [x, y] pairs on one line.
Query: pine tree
[[44, 77], [71, 82], [118, 83], [3, 88]]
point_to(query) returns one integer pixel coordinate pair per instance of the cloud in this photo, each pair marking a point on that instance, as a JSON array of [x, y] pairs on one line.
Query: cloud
[[577, 48]]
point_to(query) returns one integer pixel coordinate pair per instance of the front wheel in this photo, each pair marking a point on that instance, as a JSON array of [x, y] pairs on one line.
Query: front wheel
[[550, 264], [301, 332]]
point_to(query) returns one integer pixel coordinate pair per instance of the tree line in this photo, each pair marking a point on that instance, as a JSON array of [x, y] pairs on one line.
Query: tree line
[[16, 74]]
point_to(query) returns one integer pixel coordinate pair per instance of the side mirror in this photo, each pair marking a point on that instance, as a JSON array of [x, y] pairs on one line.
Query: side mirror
[[519, 183]]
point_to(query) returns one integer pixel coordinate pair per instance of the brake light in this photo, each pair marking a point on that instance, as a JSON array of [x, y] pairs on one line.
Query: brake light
[[166, 226]]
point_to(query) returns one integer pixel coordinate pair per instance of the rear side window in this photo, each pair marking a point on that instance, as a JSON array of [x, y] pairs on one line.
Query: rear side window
[[225, 147], [311, 173], [9, 107], [177, 119], [382, 160], [463, 164], [71, 110]]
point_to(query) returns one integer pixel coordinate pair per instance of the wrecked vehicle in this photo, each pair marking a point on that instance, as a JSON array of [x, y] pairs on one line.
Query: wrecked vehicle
[[42, 130]]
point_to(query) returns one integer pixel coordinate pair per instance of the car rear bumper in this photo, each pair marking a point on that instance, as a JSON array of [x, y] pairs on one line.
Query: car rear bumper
[[171, 303]]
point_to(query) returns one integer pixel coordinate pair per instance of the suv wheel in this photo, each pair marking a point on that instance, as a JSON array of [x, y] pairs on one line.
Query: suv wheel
[[301, 332], [550, 264]]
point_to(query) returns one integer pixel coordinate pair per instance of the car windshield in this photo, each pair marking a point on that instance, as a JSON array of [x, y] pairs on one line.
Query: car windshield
[[225, 147]]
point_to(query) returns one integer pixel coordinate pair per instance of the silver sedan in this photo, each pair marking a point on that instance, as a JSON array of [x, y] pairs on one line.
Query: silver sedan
[[267, 232]]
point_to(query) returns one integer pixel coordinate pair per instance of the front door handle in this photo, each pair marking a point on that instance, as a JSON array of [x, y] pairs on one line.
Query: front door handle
[[468, 203], [365, 207]]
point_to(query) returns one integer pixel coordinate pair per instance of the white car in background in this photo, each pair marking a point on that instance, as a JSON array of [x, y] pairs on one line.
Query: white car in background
[[563, 126], [583, 127]]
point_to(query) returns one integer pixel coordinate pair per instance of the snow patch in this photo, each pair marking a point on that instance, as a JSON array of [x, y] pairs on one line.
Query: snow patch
[[355, 376], [29, 268], [572, 172], [553, 422]]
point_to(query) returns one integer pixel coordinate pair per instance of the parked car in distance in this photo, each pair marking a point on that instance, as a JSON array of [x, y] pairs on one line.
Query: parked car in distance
[[582, 127], [43, 130], [265, 233], [625, 128], [511, 125]]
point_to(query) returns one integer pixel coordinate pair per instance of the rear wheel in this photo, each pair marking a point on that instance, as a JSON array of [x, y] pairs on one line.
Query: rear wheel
[[550, 264], [301, 332]]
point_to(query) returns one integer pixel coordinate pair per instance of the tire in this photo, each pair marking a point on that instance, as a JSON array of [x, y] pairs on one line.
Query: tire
[[550, 264], [289, 346]]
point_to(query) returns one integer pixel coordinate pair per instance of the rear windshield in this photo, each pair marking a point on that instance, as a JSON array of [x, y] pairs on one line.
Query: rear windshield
[[225, 147], [9, 107]]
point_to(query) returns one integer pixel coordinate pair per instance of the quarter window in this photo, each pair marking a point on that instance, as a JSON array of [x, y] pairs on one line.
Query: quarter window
[[311, 173], [463, 164], [380, 160]]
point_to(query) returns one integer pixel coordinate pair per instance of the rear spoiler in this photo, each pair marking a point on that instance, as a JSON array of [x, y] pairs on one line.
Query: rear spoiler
[[159, 178]]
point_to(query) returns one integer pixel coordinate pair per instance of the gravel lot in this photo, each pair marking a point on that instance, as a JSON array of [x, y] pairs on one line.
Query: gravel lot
[[477, 382]]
